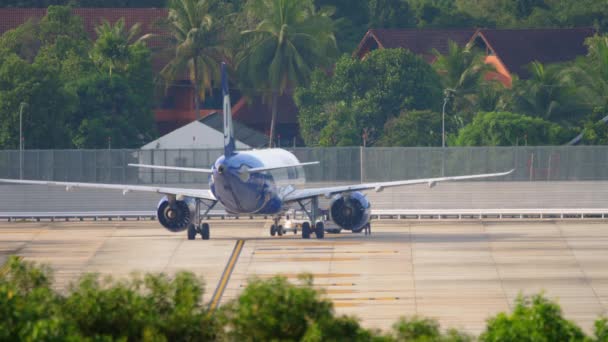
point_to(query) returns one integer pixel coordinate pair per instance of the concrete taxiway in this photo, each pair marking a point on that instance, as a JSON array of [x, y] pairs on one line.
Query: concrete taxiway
[[460, 273]]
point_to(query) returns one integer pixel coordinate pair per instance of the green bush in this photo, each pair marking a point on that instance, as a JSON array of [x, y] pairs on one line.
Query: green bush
[[275, 309], [162, 308]]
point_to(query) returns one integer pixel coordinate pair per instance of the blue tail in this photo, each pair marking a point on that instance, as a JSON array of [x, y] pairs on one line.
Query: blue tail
[[229, 146]]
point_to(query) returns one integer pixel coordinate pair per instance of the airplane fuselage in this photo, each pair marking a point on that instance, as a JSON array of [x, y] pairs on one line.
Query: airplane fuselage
[[244, 192]]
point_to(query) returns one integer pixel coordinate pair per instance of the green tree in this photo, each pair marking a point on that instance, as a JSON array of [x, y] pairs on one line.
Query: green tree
[[290, 39], [590, 74], [351, 21], [412, 128], [30, 309], [391, 14], [112, 108], [548, 94], [533, 319], [114, 46], [49, 105], [420, 329], [509, 129], [115, 97], [278, 310], [462, 71], [354, 103], [196, 39]]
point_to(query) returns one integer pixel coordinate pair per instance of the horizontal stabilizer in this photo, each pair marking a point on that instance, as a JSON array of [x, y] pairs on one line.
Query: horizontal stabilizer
[[172, 168], [270, 168]]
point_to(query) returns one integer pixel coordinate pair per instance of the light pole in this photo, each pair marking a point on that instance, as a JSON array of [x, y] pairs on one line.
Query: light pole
[[21, 106], [448, 92]]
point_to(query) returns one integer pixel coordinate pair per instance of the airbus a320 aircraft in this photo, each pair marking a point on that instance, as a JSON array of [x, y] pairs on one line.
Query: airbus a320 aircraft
[[256, 182]]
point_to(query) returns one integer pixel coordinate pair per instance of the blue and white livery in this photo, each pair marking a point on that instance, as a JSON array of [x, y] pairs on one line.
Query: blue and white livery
[[257, 182]]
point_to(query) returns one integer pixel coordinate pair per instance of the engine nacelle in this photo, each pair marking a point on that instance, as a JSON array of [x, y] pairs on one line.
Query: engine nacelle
[[350, 211], [177, 216]]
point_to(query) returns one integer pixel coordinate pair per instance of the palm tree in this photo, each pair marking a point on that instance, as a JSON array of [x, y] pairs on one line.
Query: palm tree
[[196, 39], [462, 71], [590, 73], [289, 41], [112, 47], [547, 93]]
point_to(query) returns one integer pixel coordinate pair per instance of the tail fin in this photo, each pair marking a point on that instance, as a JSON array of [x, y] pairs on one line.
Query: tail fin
[[229, 146]]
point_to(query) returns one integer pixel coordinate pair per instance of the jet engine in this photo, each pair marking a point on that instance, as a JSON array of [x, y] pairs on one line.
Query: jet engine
[[176, 216], [350, 211]]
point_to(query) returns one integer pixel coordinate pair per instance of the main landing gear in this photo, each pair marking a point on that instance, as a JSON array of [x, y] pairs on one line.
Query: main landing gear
[[313, 214], [196, 227], [311, 208]]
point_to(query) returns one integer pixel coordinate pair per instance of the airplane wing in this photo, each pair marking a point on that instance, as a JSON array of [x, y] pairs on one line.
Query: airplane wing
[[195, 193], [270, 168], [329, 191], [172, 168]]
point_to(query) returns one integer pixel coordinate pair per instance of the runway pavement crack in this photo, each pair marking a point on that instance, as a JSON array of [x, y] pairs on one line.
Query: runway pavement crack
[[585, 275], [170, 261], [500, 279], [98, 248], [413, 268]]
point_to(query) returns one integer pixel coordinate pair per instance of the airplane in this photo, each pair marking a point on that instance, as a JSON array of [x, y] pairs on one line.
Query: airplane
[[256, 182]]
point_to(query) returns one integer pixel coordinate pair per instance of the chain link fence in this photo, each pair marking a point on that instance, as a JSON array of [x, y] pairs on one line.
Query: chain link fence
[[339, 164]]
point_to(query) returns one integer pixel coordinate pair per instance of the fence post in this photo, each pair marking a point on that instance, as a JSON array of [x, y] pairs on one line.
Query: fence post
[[361, 164]]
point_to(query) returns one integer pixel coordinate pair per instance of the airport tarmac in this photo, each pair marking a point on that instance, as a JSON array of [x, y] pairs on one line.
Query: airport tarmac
[[460, 273]]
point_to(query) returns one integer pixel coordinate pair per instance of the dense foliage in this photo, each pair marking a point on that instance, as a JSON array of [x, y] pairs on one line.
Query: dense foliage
[[352, 105], [156, 307], [77, 92], [508, 129]]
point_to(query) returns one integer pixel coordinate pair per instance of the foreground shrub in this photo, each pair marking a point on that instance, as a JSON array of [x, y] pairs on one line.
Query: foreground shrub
[[29, 309], [154, 307], [276, 309], [163, 308], [534, 318], [424, 329]]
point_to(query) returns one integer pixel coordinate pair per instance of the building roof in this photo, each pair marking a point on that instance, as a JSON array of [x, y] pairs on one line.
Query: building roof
[[208, 133], [242, 133], [419, 41], [517, 48]]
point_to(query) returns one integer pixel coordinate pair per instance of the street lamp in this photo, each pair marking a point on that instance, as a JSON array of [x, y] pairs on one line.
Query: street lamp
[[21, 106], [448, 93]]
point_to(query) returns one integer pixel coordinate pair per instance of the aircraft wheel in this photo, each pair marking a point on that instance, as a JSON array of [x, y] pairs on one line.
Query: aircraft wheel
[[191, 232], [205, 231], [273, 230], [305, 230], [280, 230], [320, 230]]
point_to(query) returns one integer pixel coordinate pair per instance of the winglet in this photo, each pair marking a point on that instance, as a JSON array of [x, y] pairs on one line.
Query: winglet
[[229, 145]]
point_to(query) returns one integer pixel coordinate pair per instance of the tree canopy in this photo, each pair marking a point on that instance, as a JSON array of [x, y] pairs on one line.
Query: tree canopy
[[355, 101], [509, 129], [78, 93]]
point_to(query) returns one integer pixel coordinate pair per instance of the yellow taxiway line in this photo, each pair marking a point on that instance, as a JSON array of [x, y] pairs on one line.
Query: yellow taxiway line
[[221, 286]]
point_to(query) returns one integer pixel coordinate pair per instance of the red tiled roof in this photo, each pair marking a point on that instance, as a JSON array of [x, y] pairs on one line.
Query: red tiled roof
[[418, 41], [519, 47]]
